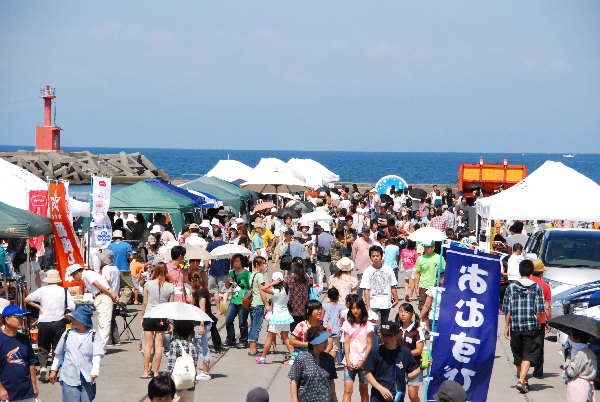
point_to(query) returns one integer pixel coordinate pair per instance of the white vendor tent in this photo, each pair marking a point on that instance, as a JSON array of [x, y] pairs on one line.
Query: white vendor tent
[[16, 182], [230, 170], [537, 197], [315, 174], [269, 165]]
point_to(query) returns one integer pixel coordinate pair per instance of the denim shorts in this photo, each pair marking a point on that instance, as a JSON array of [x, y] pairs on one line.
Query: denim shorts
[[256, 321], [416, 382], [350, 375]]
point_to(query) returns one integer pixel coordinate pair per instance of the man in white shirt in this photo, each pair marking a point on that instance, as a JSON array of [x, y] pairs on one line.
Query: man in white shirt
[[513, 263], [379, 284], [34, 280], [103, 294], [113, 277], [194, 239]]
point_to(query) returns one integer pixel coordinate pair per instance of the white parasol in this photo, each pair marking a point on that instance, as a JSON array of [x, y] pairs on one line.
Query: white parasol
[[228, 251], [178, 311], [427, 234], [191, 253], [316, 216]]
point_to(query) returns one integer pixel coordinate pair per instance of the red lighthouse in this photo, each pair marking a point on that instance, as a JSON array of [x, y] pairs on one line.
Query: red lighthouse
[[47, 137]]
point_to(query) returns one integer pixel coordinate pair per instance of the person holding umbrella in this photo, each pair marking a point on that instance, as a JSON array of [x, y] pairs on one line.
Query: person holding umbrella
[[580, 368]]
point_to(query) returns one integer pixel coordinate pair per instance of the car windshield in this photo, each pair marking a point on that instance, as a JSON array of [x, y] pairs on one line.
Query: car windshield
[[584, 253]]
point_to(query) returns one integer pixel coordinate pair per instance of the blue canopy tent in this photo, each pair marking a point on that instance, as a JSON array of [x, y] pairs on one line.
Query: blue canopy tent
[[210, 201], [178, 191]]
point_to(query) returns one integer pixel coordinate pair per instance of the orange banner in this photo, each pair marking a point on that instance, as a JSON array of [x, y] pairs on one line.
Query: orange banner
[[66, 247]]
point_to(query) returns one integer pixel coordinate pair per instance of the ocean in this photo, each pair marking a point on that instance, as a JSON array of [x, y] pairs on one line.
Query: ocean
[[357, 167]]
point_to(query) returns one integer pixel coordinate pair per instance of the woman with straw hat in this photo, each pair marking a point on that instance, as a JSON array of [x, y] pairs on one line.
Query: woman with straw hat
[[52, 301], [343, 280]]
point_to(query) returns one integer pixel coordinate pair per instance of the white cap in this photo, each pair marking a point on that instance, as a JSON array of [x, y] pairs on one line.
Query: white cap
[[214, 221], [156, 229], [239, 221], [205, 224], [277, 275], [73, 268], [3, 303], [273, 209]]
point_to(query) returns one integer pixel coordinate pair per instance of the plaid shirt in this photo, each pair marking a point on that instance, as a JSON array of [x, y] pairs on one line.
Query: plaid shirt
[[175, 352], [298, 293], [523, 303], [440, 223]]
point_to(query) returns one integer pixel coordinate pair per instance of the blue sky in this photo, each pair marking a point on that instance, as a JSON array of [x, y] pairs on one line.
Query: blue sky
[[503, 76]]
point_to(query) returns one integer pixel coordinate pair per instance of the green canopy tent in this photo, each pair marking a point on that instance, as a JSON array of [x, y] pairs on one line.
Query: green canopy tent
[[146, 198], [231, 195], [18, 223]]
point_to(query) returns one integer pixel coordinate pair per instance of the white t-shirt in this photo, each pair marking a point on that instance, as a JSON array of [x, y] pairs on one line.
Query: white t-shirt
[[379, 282], [52, 300], [513, 267], [358, 346], [89, 277], [112, 272], [517, 238], [431, 292], [195, 240]]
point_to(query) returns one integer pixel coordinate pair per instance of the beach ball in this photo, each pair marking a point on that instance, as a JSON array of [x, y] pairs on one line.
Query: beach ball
[[385, 184]]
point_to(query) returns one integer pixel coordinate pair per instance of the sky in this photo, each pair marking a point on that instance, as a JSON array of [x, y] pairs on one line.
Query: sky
[[439, 76]]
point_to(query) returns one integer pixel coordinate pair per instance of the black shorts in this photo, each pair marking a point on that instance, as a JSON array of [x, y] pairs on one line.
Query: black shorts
[[525, 346], [155, 324]]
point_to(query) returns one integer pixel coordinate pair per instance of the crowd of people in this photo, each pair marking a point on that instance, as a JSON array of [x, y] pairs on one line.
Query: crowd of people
[[326, 289]]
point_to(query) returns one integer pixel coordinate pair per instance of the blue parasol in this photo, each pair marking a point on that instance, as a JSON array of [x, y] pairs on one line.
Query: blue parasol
[[384, 184]]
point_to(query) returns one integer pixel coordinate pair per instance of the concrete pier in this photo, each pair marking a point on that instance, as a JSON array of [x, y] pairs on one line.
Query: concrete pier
[[78, 167]]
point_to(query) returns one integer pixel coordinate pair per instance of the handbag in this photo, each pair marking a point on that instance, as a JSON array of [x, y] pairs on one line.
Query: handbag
[[286, 260], [247, 296], [312, 294], [184, 371]]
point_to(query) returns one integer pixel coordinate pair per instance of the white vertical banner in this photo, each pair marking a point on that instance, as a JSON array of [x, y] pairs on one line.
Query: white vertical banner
[[101, 229]]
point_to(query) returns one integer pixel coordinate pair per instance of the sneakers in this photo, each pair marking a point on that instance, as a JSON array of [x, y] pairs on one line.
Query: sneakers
[[260, 360], [202, 376], [243, 346], [43, 377], [289, 361], [229, 345]]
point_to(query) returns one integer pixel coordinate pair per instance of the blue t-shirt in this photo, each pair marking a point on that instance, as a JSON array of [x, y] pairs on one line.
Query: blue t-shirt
[[389, 368], [390, 257], [121, 250], [257, 242], [332, 316], [217, 267], [16, 358]]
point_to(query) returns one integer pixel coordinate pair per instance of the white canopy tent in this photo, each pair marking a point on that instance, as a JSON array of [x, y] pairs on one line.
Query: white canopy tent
[[230, 170], [536, 197], [267, 165], [273, 182], [315, 174]]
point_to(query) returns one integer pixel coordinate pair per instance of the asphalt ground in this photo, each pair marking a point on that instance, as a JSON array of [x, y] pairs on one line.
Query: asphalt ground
[[234, 373]]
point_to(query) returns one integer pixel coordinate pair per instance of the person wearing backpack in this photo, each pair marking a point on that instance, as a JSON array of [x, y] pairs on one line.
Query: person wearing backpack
[[81, 348], [183, 357]]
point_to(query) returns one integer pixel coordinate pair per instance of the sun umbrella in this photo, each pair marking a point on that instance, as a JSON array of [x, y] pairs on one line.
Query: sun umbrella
[[274, 182], [228, 251], [315, 217], [323, 189], [310, 194], [304, 206], [427, 234], [418, 193], [474, 187], [565, 323], [178, 311], [191, 253], [293, 213], [262, 206]]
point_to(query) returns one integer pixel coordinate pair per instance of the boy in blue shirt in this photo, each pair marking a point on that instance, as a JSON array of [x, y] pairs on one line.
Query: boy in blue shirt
[[387, 365]]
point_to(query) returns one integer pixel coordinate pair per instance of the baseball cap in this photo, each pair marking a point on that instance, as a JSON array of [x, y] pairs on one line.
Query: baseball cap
[[277, 275], [14, 310], [289, 231], [365, 229], [389, 328], [428, 243]]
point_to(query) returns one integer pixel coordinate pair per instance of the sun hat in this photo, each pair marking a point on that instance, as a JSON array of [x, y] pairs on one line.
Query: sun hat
[[444, 206], [130, 218], [289, 231], [389, 328], [274, 210], [319, 201], [14, 310], [214, 221], [106, 256], [258, 225], [194, 226], [428, 243], [538, 266], [52, 276], [277, 275], [156, 260], [345, 264], [297, 234], [3, 304], [156, 229], [83, 315], [73, 268], [222, 212], [205, 224], [117, 234], [450, 391], [322, 337], [239, 221], [257, 394]]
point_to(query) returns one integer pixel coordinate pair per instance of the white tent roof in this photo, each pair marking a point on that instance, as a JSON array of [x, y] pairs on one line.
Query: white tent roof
[[16, 182], [230, 170], [274, 182], [276, 165], [316, 175], [537, 197]]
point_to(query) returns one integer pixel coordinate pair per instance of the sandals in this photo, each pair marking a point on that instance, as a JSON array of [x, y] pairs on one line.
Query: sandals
[[523, 387]]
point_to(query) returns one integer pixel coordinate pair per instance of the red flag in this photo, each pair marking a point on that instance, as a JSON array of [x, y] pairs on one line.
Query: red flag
[[38, 204], [67, 249]]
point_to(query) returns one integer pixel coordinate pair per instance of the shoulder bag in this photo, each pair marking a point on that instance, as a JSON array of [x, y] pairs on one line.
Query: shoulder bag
[[247, 296], [322, 254], [286, 259], [184, 371]]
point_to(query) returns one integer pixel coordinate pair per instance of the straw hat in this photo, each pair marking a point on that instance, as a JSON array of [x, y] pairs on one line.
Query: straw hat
[[52, 276], [258, 225], [538, 266], [106, 256], [345, 264], [194, 226]]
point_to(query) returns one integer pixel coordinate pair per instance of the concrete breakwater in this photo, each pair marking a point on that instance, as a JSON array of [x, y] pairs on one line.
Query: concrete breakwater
[[78, 167]]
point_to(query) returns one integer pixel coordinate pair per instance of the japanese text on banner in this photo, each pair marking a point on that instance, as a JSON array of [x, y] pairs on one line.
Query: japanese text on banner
[[66, 246], [101, 229], [464, 350], [38, 204]]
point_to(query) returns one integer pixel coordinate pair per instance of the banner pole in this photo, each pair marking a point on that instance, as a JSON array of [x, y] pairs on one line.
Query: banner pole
[[89, 229], [434, 320]]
